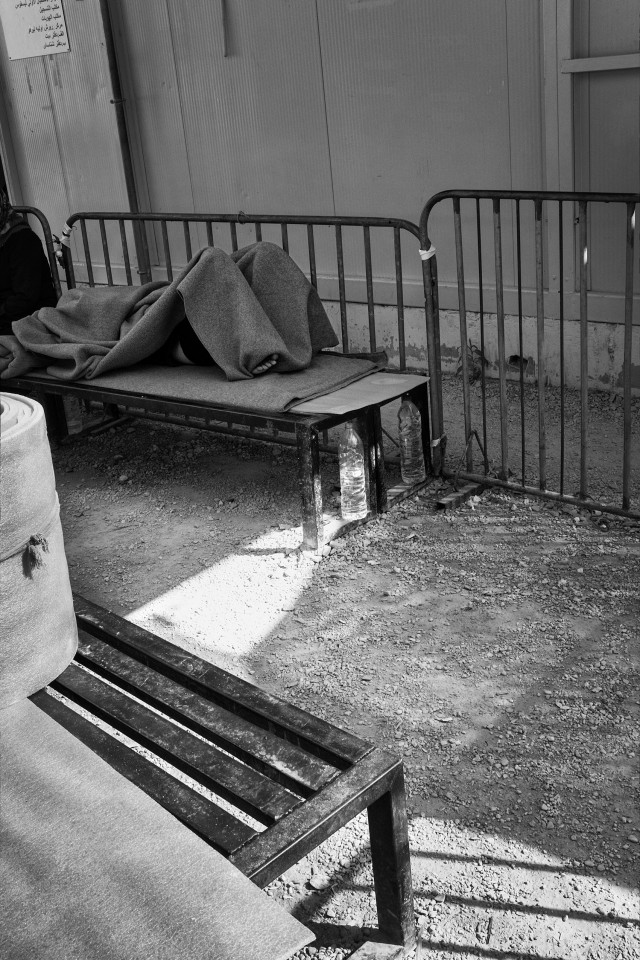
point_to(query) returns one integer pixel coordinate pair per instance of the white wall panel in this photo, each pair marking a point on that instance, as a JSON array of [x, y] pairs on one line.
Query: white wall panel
[[223, 133], [607, 124], [62, 125], [423, 97]]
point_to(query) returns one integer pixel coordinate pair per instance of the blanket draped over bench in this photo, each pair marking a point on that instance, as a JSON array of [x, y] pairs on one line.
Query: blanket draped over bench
[[243, 306]]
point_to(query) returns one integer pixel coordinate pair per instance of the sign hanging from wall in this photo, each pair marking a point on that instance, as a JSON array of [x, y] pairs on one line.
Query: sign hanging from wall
[[33, 28]]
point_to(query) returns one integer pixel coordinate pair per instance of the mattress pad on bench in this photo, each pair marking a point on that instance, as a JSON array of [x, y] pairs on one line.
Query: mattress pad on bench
[[273, 393], [92, 867]]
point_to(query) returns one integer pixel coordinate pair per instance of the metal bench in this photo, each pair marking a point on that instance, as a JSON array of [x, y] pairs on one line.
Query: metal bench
[[282, 780], [309, 433], [305, 431]]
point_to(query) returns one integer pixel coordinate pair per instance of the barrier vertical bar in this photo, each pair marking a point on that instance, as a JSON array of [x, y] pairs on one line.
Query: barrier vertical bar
[[343, 302], [462, 310], [311, 243], [523, 441], [497, 242], [368, 274], [628, 340], [483, 375], [167, 252], [561, 290], [542, 431], [125, 251], [397, 251], [187, 239], [432, 317], [284, 233], [584, 345], [105, 252], [87, 253], [209, 233], [67, 263]]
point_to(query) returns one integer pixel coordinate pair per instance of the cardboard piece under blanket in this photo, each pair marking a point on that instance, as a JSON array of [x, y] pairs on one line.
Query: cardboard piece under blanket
[[271, 393], [378, 388], [91, 868]]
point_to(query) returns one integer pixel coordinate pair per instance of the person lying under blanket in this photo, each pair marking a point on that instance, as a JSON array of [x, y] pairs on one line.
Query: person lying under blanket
[[249, 312], [184, 346]]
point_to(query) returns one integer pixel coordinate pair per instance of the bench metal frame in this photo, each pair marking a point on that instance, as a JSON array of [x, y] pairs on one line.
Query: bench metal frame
[[299, 776], [304, 431]]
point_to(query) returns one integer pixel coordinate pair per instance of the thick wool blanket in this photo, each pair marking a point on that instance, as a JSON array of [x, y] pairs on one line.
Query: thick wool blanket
[[244, 307]]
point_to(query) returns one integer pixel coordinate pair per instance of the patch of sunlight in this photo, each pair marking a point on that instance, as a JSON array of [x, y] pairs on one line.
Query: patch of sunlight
[[225, 611], [479, 869]]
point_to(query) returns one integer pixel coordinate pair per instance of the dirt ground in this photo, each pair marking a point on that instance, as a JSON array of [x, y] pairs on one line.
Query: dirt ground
[[495, 647]]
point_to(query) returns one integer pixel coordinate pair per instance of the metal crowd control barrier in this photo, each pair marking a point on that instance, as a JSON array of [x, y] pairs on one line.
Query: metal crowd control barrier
[[165, 257], [128, 248], [562, 208]]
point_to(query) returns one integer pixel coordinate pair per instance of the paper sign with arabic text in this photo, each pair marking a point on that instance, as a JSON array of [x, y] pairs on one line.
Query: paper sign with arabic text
[[33, 28]]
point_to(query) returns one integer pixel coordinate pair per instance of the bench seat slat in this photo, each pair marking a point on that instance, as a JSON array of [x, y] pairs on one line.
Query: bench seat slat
[[207, 764], [267, 855], [216, 826], [324, 740], [279, 759]]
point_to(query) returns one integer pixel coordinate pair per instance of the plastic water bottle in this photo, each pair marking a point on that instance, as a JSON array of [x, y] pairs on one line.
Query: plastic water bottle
[[353, 495], [410, 435], [73, 414]]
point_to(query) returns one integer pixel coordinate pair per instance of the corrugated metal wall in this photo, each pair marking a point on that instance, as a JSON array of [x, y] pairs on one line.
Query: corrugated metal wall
[[313, 106], [359, 108]]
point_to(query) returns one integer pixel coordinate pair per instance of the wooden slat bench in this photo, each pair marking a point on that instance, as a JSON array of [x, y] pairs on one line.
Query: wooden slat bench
[[285, 780]]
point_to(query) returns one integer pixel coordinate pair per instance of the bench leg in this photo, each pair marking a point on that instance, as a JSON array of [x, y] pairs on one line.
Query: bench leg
[[365, 428], [55, 415], [392, 865], [378, 460], [420, 396], [310, 487]]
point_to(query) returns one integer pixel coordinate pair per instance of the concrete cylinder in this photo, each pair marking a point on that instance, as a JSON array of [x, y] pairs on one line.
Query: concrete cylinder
[[38, 634]]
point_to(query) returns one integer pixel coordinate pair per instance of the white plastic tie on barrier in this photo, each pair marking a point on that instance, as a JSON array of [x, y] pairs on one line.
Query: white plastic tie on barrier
[[427, 254]]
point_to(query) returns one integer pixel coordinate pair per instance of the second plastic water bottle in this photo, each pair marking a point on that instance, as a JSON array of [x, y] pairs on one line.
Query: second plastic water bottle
[[353, 494], [410, 435]]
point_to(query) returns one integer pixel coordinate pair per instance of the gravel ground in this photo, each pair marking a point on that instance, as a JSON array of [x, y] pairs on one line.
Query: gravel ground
[[496, 648]]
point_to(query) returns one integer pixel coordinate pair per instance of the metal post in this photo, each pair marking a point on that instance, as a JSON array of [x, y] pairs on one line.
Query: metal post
[[628, 338], [462, 310], [584, 346]]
